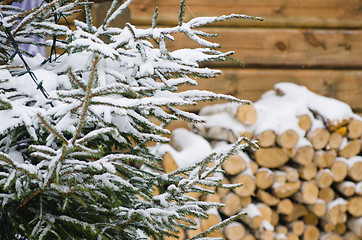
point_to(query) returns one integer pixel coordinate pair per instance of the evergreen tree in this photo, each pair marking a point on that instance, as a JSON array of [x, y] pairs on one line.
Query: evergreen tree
[[74, 128]]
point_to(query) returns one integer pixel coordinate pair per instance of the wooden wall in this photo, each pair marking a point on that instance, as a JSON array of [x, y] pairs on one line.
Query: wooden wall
[[313, 43]]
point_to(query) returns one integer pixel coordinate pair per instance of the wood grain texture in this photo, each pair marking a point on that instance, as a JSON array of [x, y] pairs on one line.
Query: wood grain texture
[[277, 13], [344, 85], [297, 48]]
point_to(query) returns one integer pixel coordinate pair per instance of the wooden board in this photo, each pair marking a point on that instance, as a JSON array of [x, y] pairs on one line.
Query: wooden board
[[286, 47], [277, 13], [250, 84]]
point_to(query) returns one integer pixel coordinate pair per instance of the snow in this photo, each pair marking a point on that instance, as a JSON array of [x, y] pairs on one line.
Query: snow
[[355, 224], [359, 188], [252, 210], [278, 110], [331, 109], [191, 148], [336, 202], [266, 225], [353, 160], [267, 170]]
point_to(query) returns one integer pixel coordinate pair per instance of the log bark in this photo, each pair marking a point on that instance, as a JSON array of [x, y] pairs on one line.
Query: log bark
[[247, 114], [267, 138], [288, 139], [264, 178], [270, 157]]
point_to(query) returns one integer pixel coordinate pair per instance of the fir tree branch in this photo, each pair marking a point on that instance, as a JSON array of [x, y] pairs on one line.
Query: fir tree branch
[[181, 12], [52, 130], [86, 100], [74, 78], [219, 226], [116, 13], [154, 18], [29, 17], [23, 203], [9, 161]]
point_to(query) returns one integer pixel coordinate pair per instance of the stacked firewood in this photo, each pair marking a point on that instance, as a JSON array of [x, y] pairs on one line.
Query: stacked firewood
[[305, 180]]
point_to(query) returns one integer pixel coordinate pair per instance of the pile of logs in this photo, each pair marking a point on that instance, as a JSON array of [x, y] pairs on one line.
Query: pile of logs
[[305, 180]]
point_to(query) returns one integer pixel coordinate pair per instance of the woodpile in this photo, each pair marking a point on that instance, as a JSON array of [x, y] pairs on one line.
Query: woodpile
[[305, 180]]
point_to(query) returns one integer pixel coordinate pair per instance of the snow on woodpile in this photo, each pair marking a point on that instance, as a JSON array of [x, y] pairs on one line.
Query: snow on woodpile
[[303, 182]]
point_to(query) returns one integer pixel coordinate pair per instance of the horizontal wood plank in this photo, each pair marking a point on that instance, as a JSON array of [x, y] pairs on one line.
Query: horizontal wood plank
[[286, 47], [250, 84], [277, 13]]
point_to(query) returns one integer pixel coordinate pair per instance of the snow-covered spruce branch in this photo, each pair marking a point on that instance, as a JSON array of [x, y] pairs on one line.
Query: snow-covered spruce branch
[[81, 168]]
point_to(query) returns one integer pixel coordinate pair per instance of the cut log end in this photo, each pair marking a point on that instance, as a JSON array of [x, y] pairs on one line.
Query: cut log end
[[288, 139], [247, 114]]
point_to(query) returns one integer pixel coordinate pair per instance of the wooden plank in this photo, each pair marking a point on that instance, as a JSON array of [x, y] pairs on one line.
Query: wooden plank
[[277, 13], [286, 47], [250, 84]]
